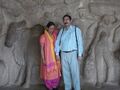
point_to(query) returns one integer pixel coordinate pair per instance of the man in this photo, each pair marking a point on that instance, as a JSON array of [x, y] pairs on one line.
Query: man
[[69, 42]]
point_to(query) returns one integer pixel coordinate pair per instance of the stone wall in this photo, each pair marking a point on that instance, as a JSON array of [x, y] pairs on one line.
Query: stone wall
[[21, 24]]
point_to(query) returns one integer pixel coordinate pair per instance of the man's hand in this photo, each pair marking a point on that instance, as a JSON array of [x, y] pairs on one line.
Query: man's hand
[[79, 58]]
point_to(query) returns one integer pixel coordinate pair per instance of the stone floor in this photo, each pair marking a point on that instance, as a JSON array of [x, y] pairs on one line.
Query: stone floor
[[87, 87]]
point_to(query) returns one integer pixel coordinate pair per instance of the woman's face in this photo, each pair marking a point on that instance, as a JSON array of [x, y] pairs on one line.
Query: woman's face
[[51, 29]]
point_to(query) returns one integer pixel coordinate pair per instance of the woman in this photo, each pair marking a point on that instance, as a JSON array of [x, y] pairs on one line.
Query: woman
[[50, 67]]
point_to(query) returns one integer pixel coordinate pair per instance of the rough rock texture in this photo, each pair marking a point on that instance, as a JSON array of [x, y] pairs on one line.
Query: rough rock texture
[[21, 24]]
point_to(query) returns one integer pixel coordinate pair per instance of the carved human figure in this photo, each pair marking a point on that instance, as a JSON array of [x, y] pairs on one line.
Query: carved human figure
[[105, 61]]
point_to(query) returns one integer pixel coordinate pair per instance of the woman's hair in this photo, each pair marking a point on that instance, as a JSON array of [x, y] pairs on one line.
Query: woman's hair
[[67, 16], [50, 24]]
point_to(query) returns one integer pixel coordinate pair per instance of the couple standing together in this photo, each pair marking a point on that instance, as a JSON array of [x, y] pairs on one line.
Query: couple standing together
[[62, 50]]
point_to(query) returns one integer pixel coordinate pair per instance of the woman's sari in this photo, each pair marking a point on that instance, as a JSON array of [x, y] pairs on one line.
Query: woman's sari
[[50, 71]]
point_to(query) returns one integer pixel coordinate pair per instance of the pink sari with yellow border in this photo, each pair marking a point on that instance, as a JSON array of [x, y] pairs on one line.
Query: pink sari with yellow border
[[50, 71]]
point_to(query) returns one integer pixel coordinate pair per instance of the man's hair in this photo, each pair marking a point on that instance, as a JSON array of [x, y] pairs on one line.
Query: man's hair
[[50, 24], [67, 16]]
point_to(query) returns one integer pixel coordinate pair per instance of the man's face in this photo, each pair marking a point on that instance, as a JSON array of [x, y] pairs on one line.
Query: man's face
[[66, 21]]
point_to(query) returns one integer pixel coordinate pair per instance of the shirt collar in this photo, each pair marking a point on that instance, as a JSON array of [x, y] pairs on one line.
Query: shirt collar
[[70, 27]]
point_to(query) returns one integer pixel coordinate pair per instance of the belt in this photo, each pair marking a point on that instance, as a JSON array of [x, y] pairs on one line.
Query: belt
[[69, 51]]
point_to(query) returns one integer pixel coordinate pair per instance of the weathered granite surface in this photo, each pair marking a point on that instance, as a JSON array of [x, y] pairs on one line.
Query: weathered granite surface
[[21, 24]]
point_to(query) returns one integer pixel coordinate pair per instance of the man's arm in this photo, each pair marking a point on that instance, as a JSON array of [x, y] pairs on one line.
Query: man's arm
[[80, 42], [57, 43]]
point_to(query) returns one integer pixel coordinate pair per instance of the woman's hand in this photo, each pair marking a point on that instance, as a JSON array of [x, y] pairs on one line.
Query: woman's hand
[[43, 61], [57, 57]]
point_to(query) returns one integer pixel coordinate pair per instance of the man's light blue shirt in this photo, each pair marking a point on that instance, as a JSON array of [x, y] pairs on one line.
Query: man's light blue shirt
[[66, 40]]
